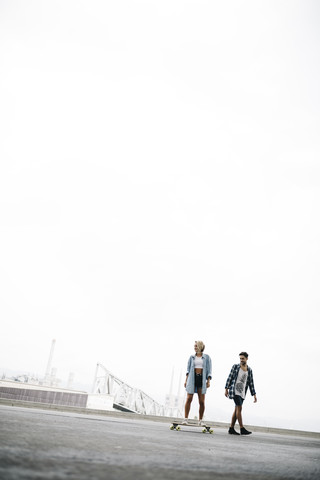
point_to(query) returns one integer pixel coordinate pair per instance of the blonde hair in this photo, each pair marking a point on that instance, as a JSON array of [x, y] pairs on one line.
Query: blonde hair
[[200, 345]]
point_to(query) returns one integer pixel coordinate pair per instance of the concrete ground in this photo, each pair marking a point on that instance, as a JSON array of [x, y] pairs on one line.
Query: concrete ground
[[44, 444]]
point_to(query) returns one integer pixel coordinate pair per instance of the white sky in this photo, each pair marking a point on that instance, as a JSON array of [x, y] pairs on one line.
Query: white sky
[[159, 184]]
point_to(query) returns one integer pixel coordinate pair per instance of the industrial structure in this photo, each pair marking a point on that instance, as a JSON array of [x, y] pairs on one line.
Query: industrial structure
[[108, 392], [128, 398]]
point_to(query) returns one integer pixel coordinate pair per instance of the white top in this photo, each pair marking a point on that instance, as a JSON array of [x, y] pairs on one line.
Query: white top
[[198, 362], [240, 388]]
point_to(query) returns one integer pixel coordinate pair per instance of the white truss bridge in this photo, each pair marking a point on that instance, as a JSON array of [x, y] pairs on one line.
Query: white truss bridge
[[128, 398]]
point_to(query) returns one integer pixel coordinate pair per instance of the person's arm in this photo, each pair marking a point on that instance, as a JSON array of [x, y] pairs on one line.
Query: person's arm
[[209, 370], [229, 380], [188, 371], [251, 386]]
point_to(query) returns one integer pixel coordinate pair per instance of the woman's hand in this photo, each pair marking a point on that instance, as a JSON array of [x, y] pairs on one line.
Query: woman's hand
[[226, 392]]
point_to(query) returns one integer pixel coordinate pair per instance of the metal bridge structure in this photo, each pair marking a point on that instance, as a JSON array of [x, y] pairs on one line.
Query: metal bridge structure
[[128, 398]]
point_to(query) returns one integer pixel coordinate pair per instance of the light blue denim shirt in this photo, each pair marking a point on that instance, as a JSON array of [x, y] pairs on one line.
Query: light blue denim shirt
[[206, 373]]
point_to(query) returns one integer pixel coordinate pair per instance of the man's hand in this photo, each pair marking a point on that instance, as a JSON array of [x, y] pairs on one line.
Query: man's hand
[[208, 383], [226, 393], [255, 399]]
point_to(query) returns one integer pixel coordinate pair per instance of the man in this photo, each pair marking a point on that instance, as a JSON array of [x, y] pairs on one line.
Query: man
[[240, 378]]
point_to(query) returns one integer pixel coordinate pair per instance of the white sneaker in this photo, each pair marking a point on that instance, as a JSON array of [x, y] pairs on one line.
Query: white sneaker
[[185, 421], [193, 421]]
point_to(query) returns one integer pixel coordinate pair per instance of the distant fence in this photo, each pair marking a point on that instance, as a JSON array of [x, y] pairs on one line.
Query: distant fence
[[44, 396]]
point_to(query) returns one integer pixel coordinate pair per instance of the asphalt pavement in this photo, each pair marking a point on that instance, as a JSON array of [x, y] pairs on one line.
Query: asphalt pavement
[[44, 444]]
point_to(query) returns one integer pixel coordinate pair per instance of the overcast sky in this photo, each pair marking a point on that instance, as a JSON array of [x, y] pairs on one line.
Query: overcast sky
[[159, 183]]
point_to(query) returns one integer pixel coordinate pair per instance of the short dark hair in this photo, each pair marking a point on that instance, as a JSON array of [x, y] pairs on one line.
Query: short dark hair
[[244, 354]]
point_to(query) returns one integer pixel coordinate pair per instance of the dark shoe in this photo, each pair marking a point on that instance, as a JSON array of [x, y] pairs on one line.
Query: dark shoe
[[244, 431], [232, 431]]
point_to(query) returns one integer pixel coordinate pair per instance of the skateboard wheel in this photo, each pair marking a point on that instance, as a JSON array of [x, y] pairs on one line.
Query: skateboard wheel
[[210, 431], [171, 427], [204, 430], [178, 428]]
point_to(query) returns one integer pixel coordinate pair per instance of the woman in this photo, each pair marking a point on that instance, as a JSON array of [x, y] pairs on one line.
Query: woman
[[199, 374]]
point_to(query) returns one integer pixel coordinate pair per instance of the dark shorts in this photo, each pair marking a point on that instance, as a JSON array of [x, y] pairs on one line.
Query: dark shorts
[[238, 400], [197, 381]]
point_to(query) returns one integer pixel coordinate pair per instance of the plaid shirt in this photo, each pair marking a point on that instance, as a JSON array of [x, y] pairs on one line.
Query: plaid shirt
[[231, 381]]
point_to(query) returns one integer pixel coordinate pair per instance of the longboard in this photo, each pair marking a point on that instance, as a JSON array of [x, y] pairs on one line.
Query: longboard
[[205, 428]]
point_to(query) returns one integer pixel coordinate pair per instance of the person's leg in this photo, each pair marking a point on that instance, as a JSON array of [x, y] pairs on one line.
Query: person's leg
[[243, 430], [239, 415], [188, 405], [201, 397], [235, 415], [238, 412], [234, 418]]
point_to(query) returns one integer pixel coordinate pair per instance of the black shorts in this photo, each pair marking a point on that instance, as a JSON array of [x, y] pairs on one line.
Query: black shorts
[[197, 381], [238, 400]]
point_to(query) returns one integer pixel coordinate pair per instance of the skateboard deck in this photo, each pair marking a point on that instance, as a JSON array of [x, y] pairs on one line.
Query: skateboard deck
[[176, 425]]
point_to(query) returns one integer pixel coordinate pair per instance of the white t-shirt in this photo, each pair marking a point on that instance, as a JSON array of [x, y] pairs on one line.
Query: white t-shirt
[[198, 362], [240, 388]]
